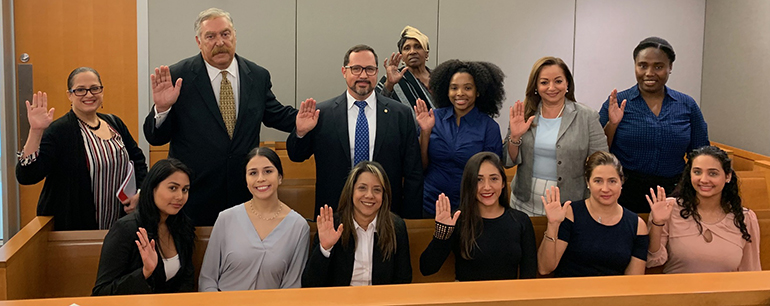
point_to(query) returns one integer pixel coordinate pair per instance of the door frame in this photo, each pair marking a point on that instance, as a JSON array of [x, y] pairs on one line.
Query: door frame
[[8, 136]]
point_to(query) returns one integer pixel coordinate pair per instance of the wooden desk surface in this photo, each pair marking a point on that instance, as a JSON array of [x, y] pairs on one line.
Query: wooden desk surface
[[736, 288]]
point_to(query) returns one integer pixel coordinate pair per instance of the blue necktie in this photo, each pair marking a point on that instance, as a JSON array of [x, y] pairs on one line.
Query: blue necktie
[[361, 149]]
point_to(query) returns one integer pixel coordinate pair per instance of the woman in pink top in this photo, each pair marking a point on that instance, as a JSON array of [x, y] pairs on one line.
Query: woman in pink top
[[705, 229]]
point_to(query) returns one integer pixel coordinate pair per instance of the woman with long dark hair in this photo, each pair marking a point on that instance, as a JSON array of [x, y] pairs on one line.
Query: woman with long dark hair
[[365, 243], [150, 250], [490, 240], [260, 244], [705, 228]]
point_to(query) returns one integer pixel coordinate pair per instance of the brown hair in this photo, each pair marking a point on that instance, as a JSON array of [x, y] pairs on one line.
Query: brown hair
[[359, 48], [601, 158], [532, 100], [385, 229]]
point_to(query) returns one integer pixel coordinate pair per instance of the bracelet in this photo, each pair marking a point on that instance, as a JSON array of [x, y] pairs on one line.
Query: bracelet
[[653, 223], [443, 231], [515, 143], [549, 238]]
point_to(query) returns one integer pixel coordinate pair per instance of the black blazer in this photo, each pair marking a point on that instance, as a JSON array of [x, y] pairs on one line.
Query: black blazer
[[120, 265], [62, 162], [199, 139], [337, 270], [395, 148]]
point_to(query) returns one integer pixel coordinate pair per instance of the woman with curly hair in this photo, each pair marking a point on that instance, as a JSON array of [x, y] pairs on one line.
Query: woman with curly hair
[[467, 95], [705, 229], [549, 138]]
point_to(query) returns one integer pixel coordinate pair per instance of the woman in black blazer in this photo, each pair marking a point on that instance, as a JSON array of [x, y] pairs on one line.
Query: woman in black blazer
[[374, 246], [84, 157], [160, 260]]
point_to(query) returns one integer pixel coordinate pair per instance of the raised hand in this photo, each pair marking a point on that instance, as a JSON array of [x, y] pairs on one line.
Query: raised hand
[[444, 211], [164, 92], [615, 112], [147, 251], [327, 236], [307, 117], [391, 70], [554, 211], [660, 206], [517, 123], [38, 114], [424, 116]]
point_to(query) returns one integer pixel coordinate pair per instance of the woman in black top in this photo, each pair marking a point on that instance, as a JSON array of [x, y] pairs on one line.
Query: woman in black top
[[160, 260], [595, 236], [490, 240], [83, 156]]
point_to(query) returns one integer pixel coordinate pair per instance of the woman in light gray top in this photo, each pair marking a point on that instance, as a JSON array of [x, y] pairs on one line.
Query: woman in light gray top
[[549, 138], [260, 244]]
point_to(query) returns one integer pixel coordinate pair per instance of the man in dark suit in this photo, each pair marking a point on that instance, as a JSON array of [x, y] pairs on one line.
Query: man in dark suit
[[213, 121], [360, 125]]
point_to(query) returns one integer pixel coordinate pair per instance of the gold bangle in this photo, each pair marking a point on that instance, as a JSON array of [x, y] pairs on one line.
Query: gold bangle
[[546, 237]]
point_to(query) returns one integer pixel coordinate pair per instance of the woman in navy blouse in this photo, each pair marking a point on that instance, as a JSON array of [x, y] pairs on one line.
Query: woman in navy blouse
[[653, 127], [468, 95], [595, 236]]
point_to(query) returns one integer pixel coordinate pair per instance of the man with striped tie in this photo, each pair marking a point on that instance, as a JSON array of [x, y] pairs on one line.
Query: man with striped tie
[[360, 125]]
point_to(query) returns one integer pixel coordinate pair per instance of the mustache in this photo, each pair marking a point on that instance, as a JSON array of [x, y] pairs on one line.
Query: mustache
[[219, 49]]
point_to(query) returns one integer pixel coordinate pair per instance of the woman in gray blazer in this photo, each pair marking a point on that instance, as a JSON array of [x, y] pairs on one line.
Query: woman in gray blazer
[[549, 138]]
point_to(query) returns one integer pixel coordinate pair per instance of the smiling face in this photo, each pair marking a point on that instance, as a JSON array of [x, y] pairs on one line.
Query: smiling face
[[652, 70], [413, 54], [262, 178], [489, 186], [462, 93], [707, 177], [552, 85], [361, 85], [171, 194], [216, 41], [605, 185], [89, 103], [367, 197]]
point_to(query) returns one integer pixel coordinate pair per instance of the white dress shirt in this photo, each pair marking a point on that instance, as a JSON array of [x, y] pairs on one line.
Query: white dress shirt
[[371, 117], [215, 75], [362, 265]]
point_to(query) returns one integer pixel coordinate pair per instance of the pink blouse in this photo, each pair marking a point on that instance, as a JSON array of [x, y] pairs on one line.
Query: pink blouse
[[683, 249]]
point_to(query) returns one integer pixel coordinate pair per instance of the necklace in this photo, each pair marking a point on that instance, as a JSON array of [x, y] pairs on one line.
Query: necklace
[[93, 128], [560, 111], [254, 210]]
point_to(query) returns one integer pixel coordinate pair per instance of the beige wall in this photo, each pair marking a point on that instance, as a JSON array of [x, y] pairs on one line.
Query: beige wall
[[735, 66]]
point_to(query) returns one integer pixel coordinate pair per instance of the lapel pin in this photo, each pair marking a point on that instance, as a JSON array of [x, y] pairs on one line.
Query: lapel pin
[[386, 110]]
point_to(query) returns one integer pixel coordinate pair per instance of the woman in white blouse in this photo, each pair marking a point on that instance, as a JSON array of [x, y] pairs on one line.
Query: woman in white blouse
[[370, 245], [260, 244]]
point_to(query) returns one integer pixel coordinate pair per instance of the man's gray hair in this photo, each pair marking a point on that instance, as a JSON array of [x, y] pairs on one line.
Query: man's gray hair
[[210, 14]]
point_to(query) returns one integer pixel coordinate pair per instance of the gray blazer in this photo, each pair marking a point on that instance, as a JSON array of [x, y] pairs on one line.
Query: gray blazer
[[580, 135]]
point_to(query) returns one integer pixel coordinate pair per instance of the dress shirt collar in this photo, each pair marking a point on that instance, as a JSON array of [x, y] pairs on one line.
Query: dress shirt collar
[[372, 225], [471, 117], [214, 71], [371, 101], [635, 93]]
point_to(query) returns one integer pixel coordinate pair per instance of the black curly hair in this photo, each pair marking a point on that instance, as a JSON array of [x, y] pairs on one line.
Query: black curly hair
[[487, 77], [731, 199]]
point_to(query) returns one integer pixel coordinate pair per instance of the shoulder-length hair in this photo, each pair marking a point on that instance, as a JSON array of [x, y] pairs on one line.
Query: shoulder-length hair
[[730, 197], [471, 224], [148, 214], [532, 99], [385, 229]]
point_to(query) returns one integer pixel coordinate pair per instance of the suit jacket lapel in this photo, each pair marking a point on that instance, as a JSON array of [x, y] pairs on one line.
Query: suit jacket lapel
[[340, 119], [203, 85], [567, 117], [383, 120], [245, 87]]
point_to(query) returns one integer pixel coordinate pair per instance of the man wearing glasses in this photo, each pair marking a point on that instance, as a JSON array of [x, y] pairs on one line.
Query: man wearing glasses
[[213, 120], [355, 126]]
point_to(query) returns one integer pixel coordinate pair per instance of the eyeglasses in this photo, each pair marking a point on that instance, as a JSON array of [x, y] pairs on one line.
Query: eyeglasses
[[82, 91], [370, 70]]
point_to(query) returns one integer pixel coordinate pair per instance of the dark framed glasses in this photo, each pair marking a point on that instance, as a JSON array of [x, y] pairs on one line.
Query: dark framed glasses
[[370, 70], [82, 91]]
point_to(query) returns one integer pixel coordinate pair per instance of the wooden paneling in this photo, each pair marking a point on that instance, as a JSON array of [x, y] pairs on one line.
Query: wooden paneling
[[23, 261], [60, 36]]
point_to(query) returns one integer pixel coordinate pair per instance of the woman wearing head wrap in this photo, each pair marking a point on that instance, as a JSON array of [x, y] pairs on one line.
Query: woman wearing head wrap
[[408, 83], [654, 126]]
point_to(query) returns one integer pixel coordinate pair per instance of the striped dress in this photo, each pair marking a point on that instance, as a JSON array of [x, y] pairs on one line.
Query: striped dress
[[107, 161]]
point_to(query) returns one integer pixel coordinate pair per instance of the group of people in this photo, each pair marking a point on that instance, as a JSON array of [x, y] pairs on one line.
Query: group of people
[[420, 143]]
